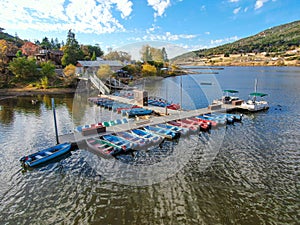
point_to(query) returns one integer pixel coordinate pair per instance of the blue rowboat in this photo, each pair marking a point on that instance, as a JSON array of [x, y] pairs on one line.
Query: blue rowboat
[[154, 139], [102, 101], [118, 142], [183, 131], [138, 112], [139, 142], [108, 104], [166, 133], [221, 120], [229, 119], [45, 155], [236, 118]]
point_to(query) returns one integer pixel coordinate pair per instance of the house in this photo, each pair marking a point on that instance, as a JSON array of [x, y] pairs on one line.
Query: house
[[83, 67], [53, 55], [29, 49]]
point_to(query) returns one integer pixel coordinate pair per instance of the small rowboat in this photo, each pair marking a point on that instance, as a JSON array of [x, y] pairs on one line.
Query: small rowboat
[[173, 106], [183, 131], [166, 133], [213, 123], [154, 139], [139, 142], [138, 112], [204, 125], [102, 148], [104, 101], [119, 109], [228, 119], [236, 118], [162, 103], [45, 155], [90, 129], [220, 121], [119, 142], [191, 127]]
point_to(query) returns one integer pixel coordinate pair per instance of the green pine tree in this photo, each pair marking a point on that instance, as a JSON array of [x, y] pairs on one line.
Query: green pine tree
[[72, 51]]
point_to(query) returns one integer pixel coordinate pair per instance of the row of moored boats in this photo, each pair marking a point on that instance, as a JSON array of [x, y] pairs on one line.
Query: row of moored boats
[[111, 145], [125, 109]]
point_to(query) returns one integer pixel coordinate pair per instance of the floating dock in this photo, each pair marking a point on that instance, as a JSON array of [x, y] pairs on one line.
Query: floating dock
[[166, 115]]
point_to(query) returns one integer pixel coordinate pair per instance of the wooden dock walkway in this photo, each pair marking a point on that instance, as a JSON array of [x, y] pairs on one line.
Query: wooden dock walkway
[[152, 120]]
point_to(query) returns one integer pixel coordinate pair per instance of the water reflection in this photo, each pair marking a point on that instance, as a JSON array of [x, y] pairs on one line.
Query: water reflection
[[252, 179], [25, 105]]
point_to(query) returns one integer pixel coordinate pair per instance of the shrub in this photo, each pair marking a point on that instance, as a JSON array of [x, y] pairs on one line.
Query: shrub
[[148, 70], [44, 82]]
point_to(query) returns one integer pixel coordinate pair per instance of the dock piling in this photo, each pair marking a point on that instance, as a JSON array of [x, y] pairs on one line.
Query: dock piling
[[54, 117]]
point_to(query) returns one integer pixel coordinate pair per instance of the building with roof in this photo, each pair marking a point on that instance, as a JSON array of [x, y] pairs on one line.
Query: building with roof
[[83, 67]]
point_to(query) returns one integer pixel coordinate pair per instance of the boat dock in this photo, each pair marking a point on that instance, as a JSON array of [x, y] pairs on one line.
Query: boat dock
[[164, 115]]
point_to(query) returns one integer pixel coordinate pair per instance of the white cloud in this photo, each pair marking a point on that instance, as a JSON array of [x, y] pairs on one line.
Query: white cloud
[[207, 33], [167, 36], [173, 37], [223, 41], [236, 11], [259, 4], [152, 29], [87, 16], [233, 0], [124, 6], [159, 6]]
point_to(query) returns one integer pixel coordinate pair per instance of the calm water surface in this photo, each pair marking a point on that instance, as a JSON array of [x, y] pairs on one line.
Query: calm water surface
[[252, 177]]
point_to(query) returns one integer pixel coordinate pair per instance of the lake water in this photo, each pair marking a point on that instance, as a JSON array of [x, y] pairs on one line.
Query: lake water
[[242, 174]]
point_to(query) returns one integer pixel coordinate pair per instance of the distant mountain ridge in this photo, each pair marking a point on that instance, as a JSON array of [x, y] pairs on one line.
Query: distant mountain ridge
[[276, 39]]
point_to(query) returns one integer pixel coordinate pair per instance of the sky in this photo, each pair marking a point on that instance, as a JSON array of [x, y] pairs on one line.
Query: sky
[[115, 24]]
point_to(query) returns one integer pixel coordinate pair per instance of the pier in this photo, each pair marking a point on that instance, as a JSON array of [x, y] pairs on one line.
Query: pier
[[164, 116]]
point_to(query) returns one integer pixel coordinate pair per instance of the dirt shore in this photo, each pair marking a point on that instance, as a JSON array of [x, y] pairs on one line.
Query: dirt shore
[[34, 91]]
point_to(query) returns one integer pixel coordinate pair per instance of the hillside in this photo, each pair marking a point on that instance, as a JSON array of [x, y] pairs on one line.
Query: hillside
[[277, 43], [10, 38]]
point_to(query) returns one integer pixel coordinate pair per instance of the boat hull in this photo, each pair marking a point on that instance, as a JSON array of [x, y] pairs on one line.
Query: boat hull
[[255, 106], [45, 155], [153, 138], [166, 133], [102, 148]]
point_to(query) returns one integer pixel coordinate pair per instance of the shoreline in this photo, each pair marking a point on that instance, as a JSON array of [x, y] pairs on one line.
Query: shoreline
[[26, 91], [15, 92]]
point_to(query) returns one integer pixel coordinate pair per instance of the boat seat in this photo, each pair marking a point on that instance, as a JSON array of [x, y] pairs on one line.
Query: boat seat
[[49, 153], [39, 157], [107, 150], [99, 145], [79, 128]]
